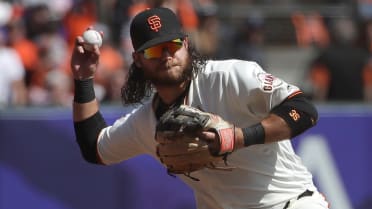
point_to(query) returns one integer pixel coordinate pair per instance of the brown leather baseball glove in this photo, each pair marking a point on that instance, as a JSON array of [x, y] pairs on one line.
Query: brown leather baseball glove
[[180, 145]]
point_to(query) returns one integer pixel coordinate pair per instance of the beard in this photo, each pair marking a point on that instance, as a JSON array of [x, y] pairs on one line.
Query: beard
[[174, 75]]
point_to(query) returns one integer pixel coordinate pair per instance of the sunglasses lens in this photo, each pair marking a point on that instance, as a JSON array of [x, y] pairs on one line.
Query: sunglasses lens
[[174, 46], [153, 52], [157, 51]]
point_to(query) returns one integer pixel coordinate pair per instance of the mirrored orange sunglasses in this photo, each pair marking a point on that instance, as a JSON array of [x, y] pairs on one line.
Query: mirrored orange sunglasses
[[157, 50]]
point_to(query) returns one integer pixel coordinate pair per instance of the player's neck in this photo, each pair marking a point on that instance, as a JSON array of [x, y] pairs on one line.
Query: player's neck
[[171, 95]]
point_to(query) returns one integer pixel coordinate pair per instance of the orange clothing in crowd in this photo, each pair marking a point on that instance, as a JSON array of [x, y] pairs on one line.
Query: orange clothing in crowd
[[28, 52], [310, 30], [187, 15], [110, 59], [76, 22]]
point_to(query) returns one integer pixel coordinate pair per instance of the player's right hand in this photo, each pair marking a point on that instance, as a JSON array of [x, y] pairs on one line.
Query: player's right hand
[[84, 63]]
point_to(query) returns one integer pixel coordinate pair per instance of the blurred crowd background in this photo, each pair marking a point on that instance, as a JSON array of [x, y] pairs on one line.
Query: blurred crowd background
[[323, 46]]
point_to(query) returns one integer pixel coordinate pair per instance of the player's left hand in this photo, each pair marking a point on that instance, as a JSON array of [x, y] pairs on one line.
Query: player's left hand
[[189, 139]]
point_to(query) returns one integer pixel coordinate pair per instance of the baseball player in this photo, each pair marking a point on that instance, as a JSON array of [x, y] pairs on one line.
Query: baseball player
[[266, 112]]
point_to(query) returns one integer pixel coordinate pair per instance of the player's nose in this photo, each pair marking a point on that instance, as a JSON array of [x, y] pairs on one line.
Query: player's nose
[[166, 52]]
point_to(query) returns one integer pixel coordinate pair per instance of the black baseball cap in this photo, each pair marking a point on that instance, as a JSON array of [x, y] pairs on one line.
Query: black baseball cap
[[154, 26]]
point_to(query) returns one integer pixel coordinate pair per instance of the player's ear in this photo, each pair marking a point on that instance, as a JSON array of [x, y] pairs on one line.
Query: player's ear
[[186, 42], [136, 59]]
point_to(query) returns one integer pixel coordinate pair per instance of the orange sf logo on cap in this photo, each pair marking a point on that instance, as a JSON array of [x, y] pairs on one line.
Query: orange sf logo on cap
[[154, 22]]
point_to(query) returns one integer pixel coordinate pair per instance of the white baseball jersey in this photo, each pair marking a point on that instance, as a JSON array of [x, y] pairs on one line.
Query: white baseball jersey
[[266, 176]]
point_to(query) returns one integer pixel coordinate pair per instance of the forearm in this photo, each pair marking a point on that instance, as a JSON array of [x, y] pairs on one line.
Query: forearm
[[287, 120], [85, 104], [88, 121], [82, 111], [275, 129]]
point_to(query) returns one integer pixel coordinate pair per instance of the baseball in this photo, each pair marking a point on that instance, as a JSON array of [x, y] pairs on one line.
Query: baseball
[[91, 38]]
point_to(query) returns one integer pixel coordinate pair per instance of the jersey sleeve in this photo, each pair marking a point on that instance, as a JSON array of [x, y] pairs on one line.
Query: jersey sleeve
[[126, 138], [257, 89]]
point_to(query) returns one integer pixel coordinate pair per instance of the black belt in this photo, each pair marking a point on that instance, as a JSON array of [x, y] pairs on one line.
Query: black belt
[[304, 194]]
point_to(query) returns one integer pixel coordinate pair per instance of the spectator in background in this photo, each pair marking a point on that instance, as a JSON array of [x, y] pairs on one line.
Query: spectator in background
[[44, 58], [82, 15], [12, 72], [38, 18], [250, 39], [338, 72], [207, 37], [117, 16], [367, 74], [112, 69], [55, 80], [57, 7], [26, 48], [311, 30], [6, 12], [185, 11], [125, 42]]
